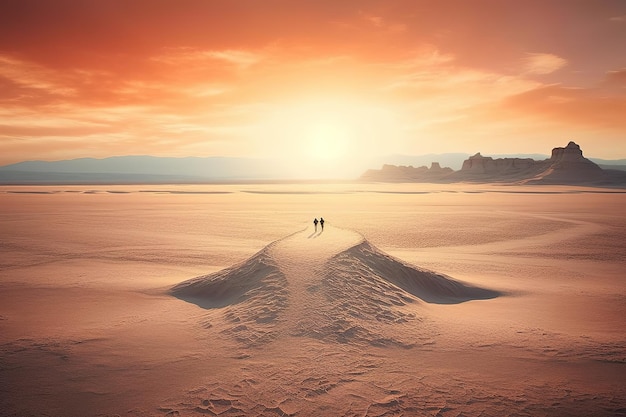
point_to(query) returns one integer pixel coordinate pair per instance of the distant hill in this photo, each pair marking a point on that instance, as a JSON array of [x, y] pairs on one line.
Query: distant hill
[[565, 166], [619, 164], [138, 169]]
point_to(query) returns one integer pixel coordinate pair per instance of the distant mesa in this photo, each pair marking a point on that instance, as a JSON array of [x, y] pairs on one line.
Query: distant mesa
[[565, 166], [393, 173], [481, 165], [569, 165]]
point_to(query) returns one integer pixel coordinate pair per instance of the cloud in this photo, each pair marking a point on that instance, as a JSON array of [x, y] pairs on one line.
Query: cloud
[[382, 23], [616, 78], [426, 56], [536, 63], [588, 107], [619, 19], [442, 89], [28, 82], [191, 56], [242, 59], [82, 112], [372, 19]]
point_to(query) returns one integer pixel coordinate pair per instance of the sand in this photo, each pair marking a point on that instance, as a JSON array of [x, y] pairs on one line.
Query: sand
[[416, 300]]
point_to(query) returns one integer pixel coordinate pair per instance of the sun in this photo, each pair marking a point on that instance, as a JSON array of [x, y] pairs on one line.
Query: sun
[[328, 140], [324, 137]]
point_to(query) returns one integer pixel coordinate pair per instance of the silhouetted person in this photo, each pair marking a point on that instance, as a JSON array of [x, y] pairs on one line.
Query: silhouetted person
[[322, 223], [315, 223]]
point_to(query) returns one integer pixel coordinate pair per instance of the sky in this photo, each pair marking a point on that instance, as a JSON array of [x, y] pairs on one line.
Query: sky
[[333, 82]]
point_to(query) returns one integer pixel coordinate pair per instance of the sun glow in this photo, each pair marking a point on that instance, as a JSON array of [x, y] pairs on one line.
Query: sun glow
[[330, 134], [329, 140]]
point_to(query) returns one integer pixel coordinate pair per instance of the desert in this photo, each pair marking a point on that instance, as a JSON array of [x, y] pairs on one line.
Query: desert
[[415, 299], [308, 208]]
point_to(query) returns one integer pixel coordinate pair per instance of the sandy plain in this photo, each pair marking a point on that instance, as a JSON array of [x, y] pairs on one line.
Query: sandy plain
[[89, 325]]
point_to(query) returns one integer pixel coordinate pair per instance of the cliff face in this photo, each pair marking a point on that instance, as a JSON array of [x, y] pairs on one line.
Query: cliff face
[[393, 173], [570, 153], [567, 165], [479, 164]]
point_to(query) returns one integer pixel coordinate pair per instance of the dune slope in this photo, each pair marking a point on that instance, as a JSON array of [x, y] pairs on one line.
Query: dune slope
[[330, 285]]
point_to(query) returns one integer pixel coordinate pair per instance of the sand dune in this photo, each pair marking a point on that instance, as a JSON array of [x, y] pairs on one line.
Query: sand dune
[[368, 263], [330, 285], [303, 294]]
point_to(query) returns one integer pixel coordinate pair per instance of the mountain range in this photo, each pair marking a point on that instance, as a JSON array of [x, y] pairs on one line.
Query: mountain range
[[153, 170], [139, 169]]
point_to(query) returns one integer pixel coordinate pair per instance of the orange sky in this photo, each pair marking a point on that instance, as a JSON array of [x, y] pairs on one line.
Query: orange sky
[[323, 80]]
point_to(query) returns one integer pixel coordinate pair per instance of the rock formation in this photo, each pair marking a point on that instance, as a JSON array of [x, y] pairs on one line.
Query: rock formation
[[565, 166], [393, 173], [479, 164]]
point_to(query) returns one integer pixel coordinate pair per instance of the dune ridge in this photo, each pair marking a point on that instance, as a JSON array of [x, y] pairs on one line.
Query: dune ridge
[[367, 261], [330, 285], [250, 296]]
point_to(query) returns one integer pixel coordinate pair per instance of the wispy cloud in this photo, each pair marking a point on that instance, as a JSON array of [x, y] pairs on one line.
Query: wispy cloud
[[382, 23], [237, 57], [582, 107], [616, 78], [28, 80], [541, 63], [240, 58]]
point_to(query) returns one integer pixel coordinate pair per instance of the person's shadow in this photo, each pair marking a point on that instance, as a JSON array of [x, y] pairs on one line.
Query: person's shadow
[[315, 233]]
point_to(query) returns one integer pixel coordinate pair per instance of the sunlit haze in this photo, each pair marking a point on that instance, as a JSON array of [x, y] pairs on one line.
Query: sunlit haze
[[321, 86]]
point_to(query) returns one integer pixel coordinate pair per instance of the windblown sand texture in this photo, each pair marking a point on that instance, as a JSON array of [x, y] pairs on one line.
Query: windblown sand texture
[[328, 285], [223, 300]]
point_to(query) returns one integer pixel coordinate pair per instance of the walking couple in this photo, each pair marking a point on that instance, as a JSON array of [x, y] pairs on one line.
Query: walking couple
[[321, 222]]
